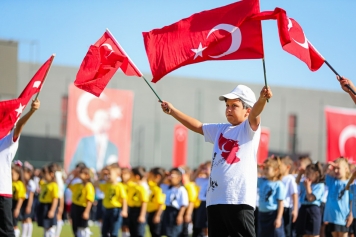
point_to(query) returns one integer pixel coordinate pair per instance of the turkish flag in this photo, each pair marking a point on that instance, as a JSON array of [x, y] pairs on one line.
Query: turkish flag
[[180, 145], [292, 38], [222, 33], [262, 152], [100, 64], [11, 110], [341, 133]]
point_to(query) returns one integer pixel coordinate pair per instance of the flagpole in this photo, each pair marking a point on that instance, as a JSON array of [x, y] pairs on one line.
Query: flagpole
[[134, 66], [52, 57], [264, 73], [337, 74], [159, 99]]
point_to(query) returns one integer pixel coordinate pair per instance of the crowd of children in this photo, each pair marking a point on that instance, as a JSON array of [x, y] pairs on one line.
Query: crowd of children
[[294, 199]]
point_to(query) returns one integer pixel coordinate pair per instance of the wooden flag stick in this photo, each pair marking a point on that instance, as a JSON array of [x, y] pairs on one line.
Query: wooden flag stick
[[52, 57], [337, 74], [264, 73]]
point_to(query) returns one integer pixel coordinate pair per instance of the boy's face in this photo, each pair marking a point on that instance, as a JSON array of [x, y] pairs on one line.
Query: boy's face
[[235, 113]]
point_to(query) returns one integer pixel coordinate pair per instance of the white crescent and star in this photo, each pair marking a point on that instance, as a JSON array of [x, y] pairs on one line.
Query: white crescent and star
[[306, 42], [181, 134], [346, 133], [235, 42], [20, 109], [109, 47]]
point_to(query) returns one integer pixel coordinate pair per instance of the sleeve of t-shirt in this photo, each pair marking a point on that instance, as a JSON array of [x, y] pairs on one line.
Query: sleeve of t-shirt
[[293, 187], [22, 191], [7, 140], [329, 180], [31, 186], [185, 200], [281, 191], [144, 194], [318, 191], [55, 191], [248, 130], [211, 130], [90, 192]]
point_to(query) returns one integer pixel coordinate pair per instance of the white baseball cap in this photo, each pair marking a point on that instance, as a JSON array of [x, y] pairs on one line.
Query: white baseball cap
[[241, 92]]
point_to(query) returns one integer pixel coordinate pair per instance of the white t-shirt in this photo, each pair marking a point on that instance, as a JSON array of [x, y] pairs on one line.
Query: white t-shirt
[[60, 183], [177, 197], [30, 188], [8, 149], [233, 178], [203, 184], [291, 188]]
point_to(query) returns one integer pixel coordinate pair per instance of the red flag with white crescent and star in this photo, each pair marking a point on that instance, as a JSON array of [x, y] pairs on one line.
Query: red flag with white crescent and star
[[292, 38], [11, 110], [223, 33], [100, 64], [341, 133]]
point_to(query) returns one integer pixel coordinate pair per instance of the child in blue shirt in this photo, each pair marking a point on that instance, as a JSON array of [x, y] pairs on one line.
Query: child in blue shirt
[[337, 209], [272, 193], [311, 192]]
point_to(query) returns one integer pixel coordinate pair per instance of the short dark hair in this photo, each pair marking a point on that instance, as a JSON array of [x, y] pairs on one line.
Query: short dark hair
[[244, 104]]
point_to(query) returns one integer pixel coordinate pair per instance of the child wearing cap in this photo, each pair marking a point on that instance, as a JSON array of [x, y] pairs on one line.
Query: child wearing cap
[[231, 195], [8, 148]]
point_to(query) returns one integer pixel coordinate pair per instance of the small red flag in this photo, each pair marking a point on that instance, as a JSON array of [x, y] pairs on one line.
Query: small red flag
[[100, 64], [292, 38], [219, 34], [341, 133], [11, 110]]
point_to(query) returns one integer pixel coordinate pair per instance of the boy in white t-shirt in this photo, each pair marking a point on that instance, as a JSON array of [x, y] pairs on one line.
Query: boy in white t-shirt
[[231, 195], [8, 148]]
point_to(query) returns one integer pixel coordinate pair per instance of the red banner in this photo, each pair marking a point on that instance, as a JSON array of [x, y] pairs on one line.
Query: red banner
[[262, 152], [98, 129], [180, 145], [341, 133]]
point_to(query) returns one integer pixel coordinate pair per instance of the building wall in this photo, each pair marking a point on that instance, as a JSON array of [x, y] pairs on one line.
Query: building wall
[[152, 131], [8, 69]]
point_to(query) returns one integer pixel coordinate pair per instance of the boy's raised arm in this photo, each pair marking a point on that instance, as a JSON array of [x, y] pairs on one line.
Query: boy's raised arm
[[254, 116], [191, 123], [20, 124]]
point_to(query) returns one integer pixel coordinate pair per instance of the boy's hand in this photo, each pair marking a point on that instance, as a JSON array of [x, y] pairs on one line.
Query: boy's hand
[[307, 183], [16, 213], [349, 220], [141, 219], [179, 220], [166, 107], [187, 218], [294, 215], [266, 93], [28, 210], [124, 214], [50, 214], [35, 105], [343, 82], [156, 219], [277, 223], [85, 215]]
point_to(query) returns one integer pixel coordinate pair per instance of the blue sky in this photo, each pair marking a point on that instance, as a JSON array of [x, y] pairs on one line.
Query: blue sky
[[68, 27]]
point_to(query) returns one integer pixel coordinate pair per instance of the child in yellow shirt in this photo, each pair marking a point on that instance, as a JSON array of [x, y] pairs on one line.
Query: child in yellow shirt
[[18, 195], [137, 201], [155, 205], [114, 202], [83, 195], [125, 179], [47, 210]]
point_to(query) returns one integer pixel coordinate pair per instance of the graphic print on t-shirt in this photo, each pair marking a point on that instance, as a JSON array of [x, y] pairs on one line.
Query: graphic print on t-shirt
[[268, 194], [212, 184], [342, 192], [228, 149]]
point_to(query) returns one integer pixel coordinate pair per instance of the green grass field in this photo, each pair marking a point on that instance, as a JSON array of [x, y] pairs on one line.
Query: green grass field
[[67, 231]]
